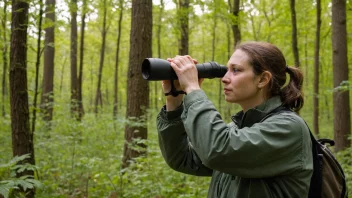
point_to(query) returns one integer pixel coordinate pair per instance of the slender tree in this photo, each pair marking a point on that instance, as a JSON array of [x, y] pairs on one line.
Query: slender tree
[[158, 31], [213, 43], [116, 90], [294, 33], [81, 55], [47, 98], [37, 64], [138, 88], [98, 97], [316, 70], [214, 27], [235, 25], [342, 119], [158, 37], [73, 55], [183, 12], [22, 138], [4, 59]]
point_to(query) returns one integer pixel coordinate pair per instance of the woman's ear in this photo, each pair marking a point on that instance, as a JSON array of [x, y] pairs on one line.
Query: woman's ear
[[265, 78]]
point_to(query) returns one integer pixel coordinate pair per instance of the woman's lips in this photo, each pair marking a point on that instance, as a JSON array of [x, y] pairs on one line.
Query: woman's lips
[[226, 90]]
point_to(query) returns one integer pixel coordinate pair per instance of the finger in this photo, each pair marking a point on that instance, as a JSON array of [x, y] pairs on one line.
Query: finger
[[177, 62], [190, 59], [200, 81], [181, 60], [175, 65]]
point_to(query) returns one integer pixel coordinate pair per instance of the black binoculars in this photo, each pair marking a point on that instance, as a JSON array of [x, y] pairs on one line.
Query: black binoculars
[[158, 69]]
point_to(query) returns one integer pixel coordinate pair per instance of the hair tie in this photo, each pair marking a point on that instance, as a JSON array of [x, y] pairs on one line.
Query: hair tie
[[287, 69]]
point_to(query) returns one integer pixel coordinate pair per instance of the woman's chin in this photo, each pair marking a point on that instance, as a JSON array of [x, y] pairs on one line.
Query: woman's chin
[[229, 99]]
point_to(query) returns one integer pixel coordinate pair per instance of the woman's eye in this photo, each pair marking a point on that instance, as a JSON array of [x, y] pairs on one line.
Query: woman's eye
[[235, 70]]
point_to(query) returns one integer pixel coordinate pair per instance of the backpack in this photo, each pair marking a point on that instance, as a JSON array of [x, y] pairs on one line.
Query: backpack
[[328, 179]]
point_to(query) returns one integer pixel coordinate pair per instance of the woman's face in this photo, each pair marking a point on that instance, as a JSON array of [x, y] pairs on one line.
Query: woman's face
[[240, 82]]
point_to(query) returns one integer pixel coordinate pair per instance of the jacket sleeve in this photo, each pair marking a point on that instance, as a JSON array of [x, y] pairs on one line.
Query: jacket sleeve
[[175, 147], [276, 146]]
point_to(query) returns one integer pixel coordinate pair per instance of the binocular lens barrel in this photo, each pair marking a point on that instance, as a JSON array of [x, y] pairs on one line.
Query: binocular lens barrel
[[158, 69]]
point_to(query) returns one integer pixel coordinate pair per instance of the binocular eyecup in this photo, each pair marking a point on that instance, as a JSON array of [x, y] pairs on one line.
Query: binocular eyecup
[[155, 69]]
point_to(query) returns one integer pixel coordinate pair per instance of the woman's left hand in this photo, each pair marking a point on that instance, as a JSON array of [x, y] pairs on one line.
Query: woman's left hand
[[186, 71]]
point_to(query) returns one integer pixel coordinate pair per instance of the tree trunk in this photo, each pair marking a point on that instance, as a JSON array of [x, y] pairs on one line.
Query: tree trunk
[[235, 26], [342, 119], [213, 33], [4, 58], [138, 88], [158, 36], [22, 138], [316, 71], [116, 77], [37, 64], [74, 82], [183, 13], [98, 97], [81, 55], [294, 33], [158, 31], [47, 98]]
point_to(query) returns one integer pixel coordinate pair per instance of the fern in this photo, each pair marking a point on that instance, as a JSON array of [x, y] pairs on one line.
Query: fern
[[25, 182]]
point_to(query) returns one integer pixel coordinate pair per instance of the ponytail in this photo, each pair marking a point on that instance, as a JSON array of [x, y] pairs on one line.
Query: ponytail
[[291, 95]]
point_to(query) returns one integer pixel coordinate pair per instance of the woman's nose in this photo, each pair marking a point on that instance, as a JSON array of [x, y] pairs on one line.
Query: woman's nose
[[225, 79]]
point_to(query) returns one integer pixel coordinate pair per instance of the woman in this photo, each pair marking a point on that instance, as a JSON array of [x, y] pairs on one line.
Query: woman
[[258, 154]]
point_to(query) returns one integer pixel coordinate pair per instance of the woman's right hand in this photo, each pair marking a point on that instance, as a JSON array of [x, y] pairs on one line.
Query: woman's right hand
[[172, 102]]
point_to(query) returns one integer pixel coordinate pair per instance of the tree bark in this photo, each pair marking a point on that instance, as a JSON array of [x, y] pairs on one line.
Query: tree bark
[[316, 71], [342, 119], [158, 36], [5, 62], [138, 88], [37, 64], [47, 98], [116, 87], [183, 13], [98, 97], [22, 138], [235, 26], [213, 33], [81, 55], [294, 33], [74, 81]]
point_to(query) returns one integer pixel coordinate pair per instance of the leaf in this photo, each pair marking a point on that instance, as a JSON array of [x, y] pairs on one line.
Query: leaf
[[17, 159], [6, 186], [35, 183], [25, 184], [4, 191]]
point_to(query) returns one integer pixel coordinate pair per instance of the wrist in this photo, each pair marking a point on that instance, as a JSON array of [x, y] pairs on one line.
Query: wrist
[[191, 88], [173, 103]]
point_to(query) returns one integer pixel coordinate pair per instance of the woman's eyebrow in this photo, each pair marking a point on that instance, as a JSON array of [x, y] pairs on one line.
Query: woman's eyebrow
[[234, 65]]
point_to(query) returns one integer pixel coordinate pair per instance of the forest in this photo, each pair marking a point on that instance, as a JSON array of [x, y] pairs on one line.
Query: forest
[[78, 119]]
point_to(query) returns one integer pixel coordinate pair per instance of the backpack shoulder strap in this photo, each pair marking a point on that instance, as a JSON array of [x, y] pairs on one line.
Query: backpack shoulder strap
[[316, 180]]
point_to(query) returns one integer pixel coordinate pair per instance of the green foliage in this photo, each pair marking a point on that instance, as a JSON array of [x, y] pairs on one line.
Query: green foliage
[[345, 159], [77, 159], [84, 159], [9, 182]]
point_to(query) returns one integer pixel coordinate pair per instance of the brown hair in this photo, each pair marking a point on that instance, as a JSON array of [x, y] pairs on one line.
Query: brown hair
[[267, 57]]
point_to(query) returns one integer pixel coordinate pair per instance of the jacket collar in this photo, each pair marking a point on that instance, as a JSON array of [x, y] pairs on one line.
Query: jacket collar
[[257, 113]]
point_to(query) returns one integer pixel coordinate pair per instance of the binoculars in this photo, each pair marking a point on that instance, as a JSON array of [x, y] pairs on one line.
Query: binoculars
[[155, 69]]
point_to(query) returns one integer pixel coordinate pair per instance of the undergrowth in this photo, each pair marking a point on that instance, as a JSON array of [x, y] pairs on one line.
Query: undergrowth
[[83, 159]]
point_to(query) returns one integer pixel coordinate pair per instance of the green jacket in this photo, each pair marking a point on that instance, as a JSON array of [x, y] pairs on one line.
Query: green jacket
[[246, 158]]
